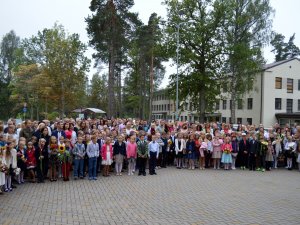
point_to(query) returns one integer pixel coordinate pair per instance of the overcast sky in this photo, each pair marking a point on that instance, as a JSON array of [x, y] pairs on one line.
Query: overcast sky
[[27, 17]]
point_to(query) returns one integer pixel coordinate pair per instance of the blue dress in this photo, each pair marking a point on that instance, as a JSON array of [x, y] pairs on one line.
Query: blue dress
[[226, 158], [190, 148]]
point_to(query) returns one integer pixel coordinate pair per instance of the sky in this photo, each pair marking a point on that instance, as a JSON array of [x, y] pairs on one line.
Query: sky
[[27, 17]]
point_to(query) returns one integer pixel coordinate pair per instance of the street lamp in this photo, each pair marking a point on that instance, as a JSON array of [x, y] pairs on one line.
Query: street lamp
[[177, 64]]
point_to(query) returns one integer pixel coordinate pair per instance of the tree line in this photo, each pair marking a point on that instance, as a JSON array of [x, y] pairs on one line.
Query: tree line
[[218, 43]]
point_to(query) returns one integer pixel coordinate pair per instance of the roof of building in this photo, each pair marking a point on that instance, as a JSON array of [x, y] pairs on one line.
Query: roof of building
[[271, 65], [93, 110]]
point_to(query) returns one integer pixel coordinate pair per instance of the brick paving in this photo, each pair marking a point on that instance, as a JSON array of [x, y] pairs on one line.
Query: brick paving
[[172, 197]]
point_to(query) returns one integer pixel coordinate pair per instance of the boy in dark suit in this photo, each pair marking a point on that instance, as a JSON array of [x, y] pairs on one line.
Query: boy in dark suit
[[252, 152]]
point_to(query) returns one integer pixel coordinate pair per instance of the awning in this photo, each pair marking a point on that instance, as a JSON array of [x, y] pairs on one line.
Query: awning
[[287, 115], [87, 110]]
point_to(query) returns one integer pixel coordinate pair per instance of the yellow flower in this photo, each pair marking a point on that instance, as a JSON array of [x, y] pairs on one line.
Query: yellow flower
[[61, 149]]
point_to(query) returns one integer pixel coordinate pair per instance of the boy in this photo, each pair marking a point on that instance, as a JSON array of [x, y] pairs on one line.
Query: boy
[[153, 154], [142, 154], [79, 153]]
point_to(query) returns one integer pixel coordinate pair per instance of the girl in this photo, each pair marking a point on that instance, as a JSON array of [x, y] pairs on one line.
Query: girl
[[10, 160], [40, 155], [3, 168], [131, 150], [179, 146], [298, 158], [66, 159], [290, 148], [235, 150], [185, 156], [107, 156], [21, 161], [119, 153], [190, 148], [208, 153], [31, 162], [79, 153], [53, 158], [226, 156], [217, 152], [203, 148], [278, 149], [269, 155]]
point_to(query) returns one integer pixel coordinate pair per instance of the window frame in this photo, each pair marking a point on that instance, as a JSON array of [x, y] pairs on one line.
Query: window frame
[[290, 87], [276, 102], [276, 82]]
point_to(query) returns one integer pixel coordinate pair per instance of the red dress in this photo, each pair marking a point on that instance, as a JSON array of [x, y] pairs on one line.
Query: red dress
[[31, 161]]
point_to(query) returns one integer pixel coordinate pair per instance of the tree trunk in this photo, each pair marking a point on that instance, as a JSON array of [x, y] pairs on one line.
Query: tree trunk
[[111, 81], [151, 87], [202, 103], [233, 99], [62, 99]]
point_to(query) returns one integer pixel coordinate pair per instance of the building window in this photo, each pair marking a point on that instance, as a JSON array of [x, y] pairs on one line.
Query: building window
[[289, 105], [240, 103], [299, 105], [239, 120], [230, 120], [250, 103], [224, 104], [278, 82], [230, 104], [290, 84], [278, 103], [298, 85], [223, 119], [218, 105], [249, 121]]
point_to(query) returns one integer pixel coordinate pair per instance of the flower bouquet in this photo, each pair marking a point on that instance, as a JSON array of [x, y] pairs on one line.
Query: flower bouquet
[[227, 150], [170, 142], [63, 155], [264, 143]]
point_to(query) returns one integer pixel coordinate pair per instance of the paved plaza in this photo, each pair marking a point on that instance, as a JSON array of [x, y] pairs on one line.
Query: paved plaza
[[172, 197]]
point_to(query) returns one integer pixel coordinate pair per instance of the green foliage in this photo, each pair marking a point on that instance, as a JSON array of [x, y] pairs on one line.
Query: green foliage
[[97, 98], [284, 50]]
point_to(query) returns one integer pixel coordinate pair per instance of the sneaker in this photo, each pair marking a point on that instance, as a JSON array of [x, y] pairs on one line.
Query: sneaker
[[262, 170], [129, 174], [120, 174], [90, 178], [94, 178]]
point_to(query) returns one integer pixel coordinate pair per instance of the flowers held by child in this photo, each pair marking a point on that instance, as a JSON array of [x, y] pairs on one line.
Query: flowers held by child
[[264, 143], [63, 154], [169, 142], [61, 149], [227, 150]]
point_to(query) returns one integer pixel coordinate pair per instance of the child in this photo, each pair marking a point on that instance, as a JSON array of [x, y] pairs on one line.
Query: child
[[203, 148], [53, 158], [153, 153], [278, 149], [31, 162], [40, 155], [119, 153], [179, 146], [217, 152], [142, 154], [92, 151], [262, 149], [190, 148], [10, 160], [269, 155], [208, 153], [79, 153], [290, 148], [21, 161], [131, 151], [235, 151], [107, 156], [226, 156], [3, 168], [66, 159], [298, 158]]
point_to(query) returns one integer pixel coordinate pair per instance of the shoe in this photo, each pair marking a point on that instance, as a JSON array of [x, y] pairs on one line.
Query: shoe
[[120, 174], [129, 174], [139, 174], [75, 178], [90, 178], [10, 190], [13, 186], [6, 190], [154, 173], [262, 170], [144, 174], [95, 178], [81, 177]]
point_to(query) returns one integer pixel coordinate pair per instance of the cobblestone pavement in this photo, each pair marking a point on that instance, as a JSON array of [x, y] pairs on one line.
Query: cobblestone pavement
[[172, 197]]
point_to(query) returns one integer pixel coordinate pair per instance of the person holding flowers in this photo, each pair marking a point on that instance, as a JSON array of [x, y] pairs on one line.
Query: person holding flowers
[[217, 152], [10, 161], [269, 155], [226, 156], [30, 162], [40, 155], [202, 150], [262, 149], [107, 156], [64, 157], [53, 158]]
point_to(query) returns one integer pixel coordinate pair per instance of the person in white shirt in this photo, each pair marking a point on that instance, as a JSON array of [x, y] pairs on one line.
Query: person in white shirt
[[153, 154]]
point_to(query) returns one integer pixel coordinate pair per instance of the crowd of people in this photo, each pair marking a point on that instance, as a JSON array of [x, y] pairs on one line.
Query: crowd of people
[[39, 150]]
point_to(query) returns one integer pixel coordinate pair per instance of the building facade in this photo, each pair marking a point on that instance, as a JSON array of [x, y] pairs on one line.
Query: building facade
[[275, 98]]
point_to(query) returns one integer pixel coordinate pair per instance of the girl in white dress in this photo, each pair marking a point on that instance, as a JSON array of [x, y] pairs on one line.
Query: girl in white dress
[[2, 169]]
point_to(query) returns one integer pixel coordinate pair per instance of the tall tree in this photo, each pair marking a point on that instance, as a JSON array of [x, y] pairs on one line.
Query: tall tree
[[247, 29], [9, 51], [109, 28], [200, 48], [98, 92], [62, 59], [284, 50]]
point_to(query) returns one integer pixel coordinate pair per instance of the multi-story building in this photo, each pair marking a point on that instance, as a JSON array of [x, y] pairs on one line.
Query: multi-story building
[[275, 98]]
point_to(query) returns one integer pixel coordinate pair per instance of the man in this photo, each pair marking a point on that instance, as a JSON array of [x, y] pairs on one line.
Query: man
[[153, 155], [59, 132], [253, 146], [27, 132]]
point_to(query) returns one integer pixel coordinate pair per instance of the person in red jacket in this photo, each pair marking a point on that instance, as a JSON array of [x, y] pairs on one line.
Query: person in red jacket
[[107, 156], [31, 161]]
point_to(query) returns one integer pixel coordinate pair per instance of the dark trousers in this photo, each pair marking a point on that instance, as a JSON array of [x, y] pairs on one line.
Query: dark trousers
[[244, 159], [171, 157], [40, 171], [269, 165], [164, 159], [99, 160], [142, 165], [262, 161], [152, 162], [207, 155], [252, 161]]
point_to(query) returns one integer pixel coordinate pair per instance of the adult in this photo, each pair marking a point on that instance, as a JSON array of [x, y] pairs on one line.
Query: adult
[[27, 132], [59, 132]]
